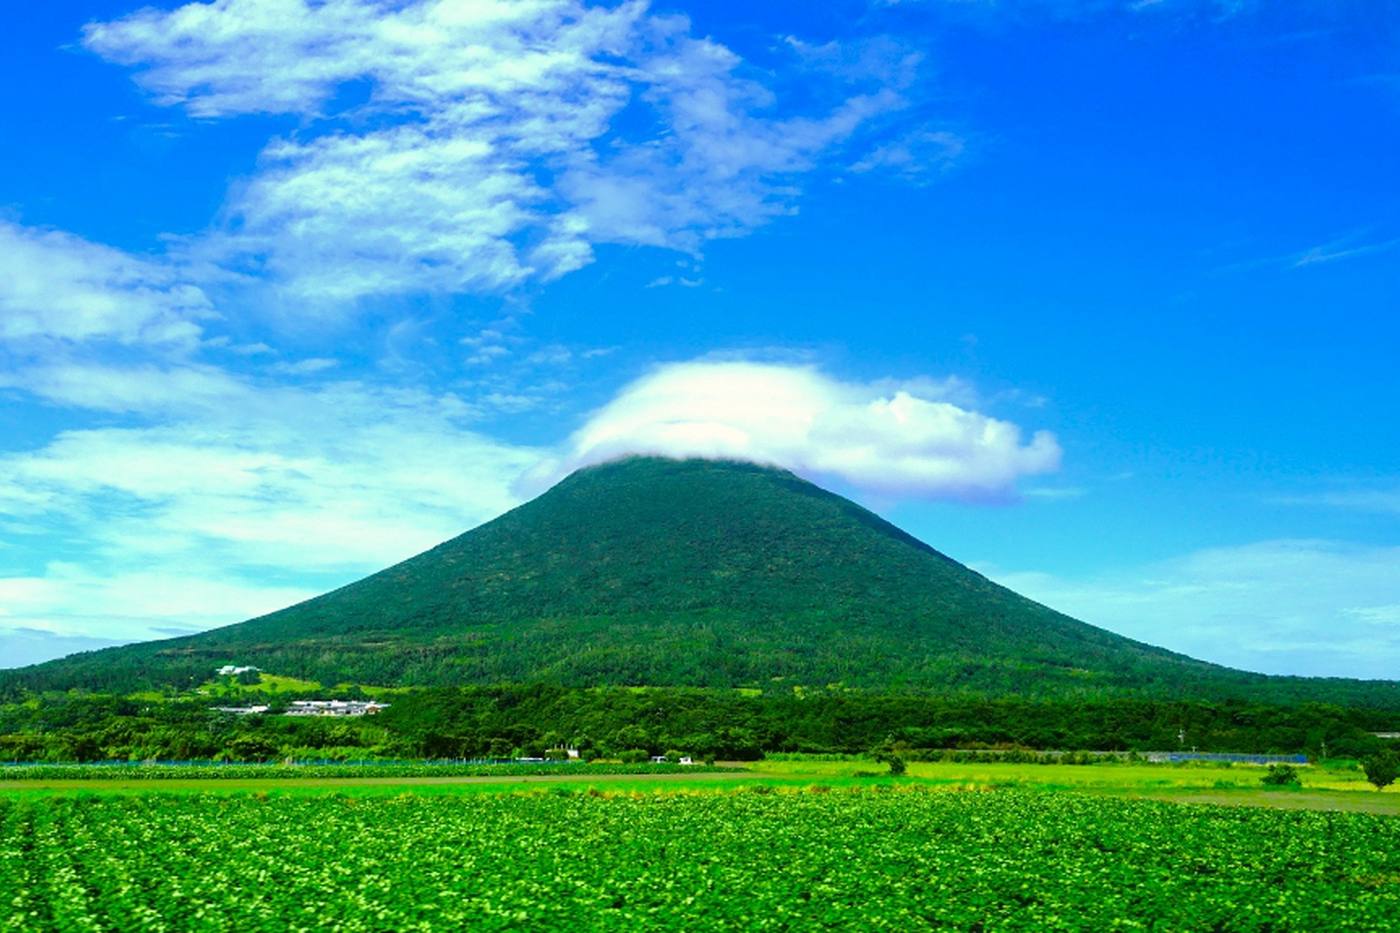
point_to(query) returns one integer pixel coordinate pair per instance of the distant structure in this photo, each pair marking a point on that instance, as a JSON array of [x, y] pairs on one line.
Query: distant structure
[[1233, 757], [234, 670], [240, 710], [335, 708]]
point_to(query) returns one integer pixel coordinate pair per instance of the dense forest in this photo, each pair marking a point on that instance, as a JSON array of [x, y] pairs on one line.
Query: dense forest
[[514, 721]]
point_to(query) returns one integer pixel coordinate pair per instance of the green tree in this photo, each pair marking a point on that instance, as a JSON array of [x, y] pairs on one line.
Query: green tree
[[892, 757], [251, 748], [1381, 770]]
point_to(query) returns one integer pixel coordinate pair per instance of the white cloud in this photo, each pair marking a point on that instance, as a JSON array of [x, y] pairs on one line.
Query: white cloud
[[915, 156], [69, 602], [291, 56], [343, 476], [1079, 9], [1338, 250], [305, 367], [875, 437], [1055, 493], [238, 498], [498, 142], [401, 210], [20, 646], [59, 286], [1379, 501], [1280, 607], [147, 388], [682, 281]]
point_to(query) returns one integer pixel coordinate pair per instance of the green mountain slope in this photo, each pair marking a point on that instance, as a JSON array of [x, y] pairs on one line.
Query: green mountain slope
[[697, 573]]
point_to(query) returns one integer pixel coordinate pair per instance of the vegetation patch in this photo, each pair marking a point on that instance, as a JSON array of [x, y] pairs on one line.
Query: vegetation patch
[[196, 772], [899, 859]]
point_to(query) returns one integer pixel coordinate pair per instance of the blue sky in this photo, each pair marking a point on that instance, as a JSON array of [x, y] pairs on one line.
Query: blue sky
[[1096, 296]]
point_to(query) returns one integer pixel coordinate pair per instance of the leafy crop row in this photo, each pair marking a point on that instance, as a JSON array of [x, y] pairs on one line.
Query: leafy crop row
[[744, 860]]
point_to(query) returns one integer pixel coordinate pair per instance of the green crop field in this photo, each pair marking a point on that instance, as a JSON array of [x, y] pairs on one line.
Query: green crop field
[[897, 858]]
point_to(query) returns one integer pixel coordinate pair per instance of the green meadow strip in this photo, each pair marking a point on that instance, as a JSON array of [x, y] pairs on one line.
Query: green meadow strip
[[158, 772]]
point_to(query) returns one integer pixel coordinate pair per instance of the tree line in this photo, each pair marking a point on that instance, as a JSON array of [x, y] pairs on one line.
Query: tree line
[[531, 720]]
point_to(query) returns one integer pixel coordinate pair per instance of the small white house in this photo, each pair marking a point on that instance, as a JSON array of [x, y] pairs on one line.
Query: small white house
[[233, 670]]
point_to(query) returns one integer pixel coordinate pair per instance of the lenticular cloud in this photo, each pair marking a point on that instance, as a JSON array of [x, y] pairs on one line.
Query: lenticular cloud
[[882, 439]]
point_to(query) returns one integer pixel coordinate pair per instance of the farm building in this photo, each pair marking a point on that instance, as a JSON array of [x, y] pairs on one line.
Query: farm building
[[335, 708]]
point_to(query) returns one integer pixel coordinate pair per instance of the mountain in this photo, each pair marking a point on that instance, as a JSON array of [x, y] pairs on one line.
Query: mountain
[[649, 571]]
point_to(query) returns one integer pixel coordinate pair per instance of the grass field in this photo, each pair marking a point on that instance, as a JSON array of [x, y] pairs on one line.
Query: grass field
[[230, 688], [1337, 788]]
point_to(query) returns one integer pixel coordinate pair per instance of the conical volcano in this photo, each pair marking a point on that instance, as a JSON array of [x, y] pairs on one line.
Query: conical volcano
[[658, 572]]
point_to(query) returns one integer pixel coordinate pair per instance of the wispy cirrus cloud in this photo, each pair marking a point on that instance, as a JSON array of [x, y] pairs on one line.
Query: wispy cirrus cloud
[[915, 155], [55, 613], [21, 645], [1381, 501], [490, 145], [219, 496], [57, 286], [1338, 250], [1289, 606], [1076, 9], [1358, 244]]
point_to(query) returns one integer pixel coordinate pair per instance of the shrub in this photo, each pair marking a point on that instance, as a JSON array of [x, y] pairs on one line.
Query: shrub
[[1281, 776]]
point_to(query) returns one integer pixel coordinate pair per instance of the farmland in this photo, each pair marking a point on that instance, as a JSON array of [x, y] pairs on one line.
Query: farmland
[[885, 857]]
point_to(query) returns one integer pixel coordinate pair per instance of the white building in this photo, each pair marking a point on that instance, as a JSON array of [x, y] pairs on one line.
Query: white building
[[335, 708], [234, 670]]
